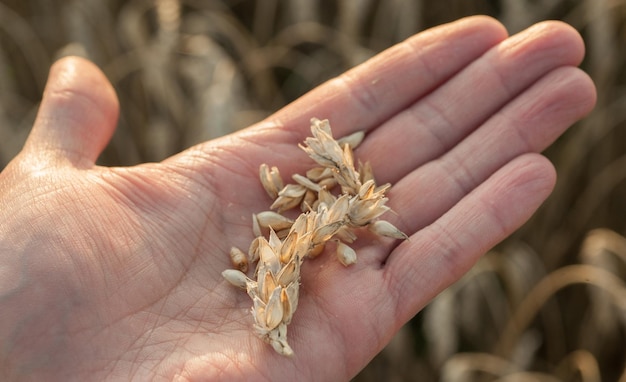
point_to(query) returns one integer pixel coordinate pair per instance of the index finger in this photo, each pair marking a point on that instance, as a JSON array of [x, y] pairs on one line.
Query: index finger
[[372, 92]]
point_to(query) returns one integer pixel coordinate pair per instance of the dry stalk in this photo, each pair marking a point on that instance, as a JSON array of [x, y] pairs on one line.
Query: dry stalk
[[547, 287], [326, 216]]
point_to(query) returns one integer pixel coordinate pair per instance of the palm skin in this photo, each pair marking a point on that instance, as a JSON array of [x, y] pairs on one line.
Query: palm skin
[[114, 273]]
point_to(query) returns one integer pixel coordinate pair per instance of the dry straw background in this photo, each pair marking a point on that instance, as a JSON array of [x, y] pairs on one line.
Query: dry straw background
[[549, 303]]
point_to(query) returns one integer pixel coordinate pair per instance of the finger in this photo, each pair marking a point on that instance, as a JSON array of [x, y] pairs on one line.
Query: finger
[[443, 118], [528, 124], [374, 91], [360, 99], [441, 253], [77, 115]]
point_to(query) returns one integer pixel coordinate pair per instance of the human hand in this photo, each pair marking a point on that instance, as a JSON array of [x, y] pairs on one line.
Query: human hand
[[115, 273]]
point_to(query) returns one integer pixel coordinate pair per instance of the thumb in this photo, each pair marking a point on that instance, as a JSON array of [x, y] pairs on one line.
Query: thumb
[[77, 116]]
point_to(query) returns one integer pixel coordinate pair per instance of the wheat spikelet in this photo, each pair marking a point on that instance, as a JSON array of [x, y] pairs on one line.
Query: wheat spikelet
[[325, 216]]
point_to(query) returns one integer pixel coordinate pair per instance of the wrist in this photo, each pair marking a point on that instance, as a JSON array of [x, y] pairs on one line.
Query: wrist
[[30, 330]]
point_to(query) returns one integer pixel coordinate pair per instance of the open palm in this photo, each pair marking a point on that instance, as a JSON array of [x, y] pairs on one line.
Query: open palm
[[114, 273]]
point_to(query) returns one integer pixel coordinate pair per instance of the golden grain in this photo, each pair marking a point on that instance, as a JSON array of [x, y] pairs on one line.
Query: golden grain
[[384, 228], [345, 254], [274, 220], [239, 259]]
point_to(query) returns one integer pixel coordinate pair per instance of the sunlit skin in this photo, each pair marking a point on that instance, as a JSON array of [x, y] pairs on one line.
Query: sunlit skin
[[115, 273]]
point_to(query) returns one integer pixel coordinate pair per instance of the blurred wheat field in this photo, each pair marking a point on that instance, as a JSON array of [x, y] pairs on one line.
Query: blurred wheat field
[[548, 304]]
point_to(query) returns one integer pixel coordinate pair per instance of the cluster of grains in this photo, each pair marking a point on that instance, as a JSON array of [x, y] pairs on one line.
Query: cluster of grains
[[325, 217]]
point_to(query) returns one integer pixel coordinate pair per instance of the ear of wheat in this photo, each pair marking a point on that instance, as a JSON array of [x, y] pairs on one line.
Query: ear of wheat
[[325, 216]]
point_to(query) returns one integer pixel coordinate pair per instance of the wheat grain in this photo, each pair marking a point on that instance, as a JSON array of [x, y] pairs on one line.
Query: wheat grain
[[270, 180], [345, 254], [239, 259], [384, 228], [274, 220]]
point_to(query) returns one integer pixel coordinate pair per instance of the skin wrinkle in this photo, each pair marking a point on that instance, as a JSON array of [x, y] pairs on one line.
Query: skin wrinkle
[[212, 370], [115, 290], [436, 45], [115, 367], [228, 167], [132, 188], [500, 76], [326, 297], [234, 165], [57, 98], [198, 322], [459, 170], [395, 286], [432, 126], [364, 96], [65, 266], [539, 46], [526, 57], [200, 319], [221, 220], [433, 71], [48, 187], [537, 31], [161, 301], [382, 337], [193, 183], [450, 243], [534, 112], [284, 148], [166, 364], [132, 200], [526, 145], [411, 184], [142, 344], [186, 182], [328, 318], [444, 49], [208, 186]]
